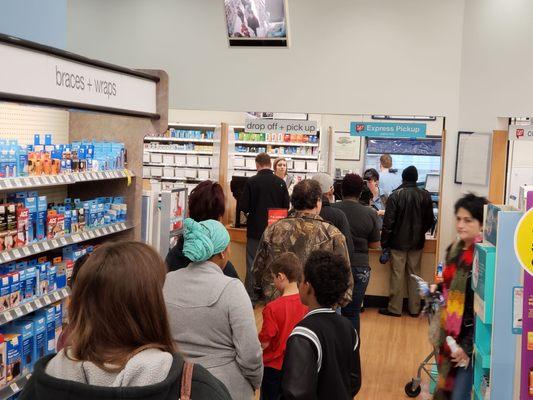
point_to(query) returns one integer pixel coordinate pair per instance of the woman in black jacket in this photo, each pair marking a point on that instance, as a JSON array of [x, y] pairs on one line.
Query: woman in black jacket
[[119, 344], [206, 201]]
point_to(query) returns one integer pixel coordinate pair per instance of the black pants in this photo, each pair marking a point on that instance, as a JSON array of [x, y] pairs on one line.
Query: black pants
[[271, 385], [361, 276]]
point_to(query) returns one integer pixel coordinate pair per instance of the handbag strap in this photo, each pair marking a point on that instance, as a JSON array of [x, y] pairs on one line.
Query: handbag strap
[[186, 381]]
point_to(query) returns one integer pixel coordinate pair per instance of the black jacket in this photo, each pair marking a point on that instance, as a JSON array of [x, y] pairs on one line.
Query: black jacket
[[337, 217], [45, 387], [408, 216], [322, 359], [262, 191], [175, 260]]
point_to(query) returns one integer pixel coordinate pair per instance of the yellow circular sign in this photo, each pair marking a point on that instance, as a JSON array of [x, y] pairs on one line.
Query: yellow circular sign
[[523, 241]]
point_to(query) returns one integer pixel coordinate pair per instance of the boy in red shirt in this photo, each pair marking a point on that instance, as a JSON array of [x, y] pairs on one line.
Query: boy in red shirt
[[279, 319]]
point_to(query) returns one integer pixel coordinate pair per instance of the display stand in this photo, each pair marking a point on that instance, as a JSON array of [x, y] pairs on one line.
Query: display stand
[[496, 272], [138, 105]]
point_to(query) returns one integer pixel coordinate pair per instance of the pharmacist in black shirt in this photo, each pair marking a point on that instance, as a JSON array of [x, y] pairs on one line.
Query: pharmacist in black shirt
[[261, 193]]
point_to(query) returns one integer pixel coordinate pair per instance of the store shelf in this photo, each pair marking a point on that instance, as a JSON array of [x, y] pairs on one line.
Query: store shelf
[[14, 387], [171, 151], [29, 182], [178, 140], [290, 144], [176, 165], [295, 171], [277, 155], [179, 125], [33, 305], [47, 245]]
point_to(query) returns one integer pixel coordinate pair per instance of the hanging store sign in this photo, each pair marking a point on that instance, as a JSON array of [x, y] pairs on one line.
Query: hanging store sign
[[388, 130], [37, 76], [283, 126], [520, 132]]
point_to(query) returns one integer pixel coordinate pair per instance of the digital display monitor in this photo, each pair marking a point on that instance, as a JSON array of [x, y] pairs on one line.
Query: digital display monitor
[[432, 183], [256, 22]]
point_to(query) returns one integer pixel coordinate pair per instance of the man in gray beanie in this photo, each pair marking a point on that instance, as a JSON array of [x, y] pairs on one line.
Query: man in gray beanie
[[408, 216]]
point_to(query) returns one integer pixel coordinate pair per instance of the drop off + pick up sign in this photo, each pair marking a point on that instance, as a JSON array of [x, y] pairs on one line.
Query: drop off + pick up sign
[[284, 126]]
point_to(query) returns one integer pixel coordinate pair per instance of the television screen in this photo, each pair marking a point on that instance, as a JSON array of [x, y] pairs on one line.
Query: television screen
[[256, 22]]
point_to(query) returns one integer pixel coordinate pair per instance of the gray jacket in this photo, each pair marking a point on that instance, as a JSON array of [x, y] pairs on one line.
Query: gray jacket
[[212, 322]]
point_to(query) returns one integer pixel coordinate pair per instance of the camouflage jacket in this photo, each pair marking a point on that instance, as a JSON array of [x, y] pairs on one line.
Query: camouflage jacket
[[301, 234]]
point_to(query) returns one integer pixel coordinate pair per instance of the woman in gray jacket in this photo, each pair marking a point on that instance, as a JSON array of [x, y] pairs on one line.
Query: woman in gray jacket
[[211, 316]]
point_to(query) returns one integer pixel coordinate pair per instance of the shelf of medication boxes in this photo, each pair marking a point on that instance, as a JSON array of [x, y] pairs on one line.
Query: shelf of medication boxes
[[33, 305], [14, 386], [27, 182], [173, 151], [291, 144], [288, 156], [177, 140], [51, 244]]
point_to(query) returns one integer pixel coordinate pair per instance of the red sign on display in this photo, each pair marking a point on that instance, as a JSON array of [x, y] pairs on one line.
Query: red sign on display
[[275, 214]]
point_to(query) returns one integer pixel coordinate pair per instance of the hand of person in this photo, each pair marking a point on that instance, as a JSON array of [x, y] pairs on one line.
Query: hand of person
[[381, 213], [432, 288], [460, 358]]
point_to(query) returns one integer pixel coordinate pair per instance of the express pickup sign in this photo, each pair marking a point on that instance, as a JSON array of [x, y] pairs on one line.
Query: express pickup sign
[[387, 130]]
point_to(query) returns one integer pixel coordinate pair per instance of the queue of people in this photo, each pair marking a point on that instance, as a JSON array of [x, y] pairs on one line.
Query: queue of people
[[186, 328]]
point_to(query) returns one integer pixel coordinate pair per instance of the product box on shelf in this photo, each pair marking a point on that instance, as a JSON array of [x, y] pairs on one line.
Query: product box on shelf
[[41, 218], [180, 159], [31, 205], [42, 271], [204, 161], [13, 356], [5, 288], [250, 162], [50, 318], [156, 171], [192, 161], [23, 222], [58, 313], [179, 172], [31, 286], [14, 289], [51, 277], [203, 174], [191, 173], [3, 357], [11, 235], [25, 330], [168, 159], [168, 172], [39, 327], [156, 158]]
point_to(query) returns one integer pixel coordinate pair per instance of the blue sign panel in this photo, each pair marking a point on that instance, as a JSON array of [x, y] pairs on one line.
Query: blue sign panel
[[387, 130]]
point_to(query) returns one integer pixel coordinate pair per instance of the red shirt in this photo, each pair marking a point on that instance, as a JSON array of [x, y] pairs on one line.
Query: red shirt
[[279, 319]]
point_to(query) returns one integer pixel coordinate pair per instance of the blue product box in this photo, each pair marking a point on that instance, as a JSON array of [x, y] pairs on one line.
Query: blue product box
[[39, 328], [31, 287], [14, 289], [25, 330], [52, 274], [42, 271], [22, 164], [48, 139], [50, 315], [61, 275], [93, 215], [5, 289], [13, 356], [36, 139], [31, 205], [100, 216], [41, 218], [68, 221]]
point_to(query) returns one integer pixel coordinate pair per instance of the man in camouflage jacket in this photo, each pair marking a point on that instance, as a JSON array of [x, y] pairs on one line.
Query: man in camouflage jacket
[[301, 233]]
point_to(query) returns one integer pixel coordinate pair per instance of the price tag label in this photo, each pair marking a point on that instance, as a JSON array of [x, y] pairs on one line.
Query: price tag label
[[8, 315], [34, 181], [26, 250], [63, 241], [53, 178], [61, 178], [76, 238], [16, 253], [105, 229], [35, 248], [122, 226], [28, 308], [85, 236], [107, 174], [46, 246], [47, 300], [57, 296], [18, 183], [38, 303], [55, 243], [2, 183], [6, 256], [19, 312], [45, 179], [82, 177], [14, 387], [101, 175], [93, 234], [93, 175]]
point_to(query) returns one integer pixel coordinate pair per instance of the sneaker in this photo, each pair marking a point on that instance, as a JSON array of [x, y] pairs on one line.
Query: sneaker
[[385, 311]]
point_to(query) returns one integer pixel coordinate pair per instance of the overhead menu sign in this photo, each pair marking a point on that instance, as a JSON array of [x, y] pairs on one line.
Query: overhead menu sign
[[388, 130], [521, 132], [284, 126], [37, 75]]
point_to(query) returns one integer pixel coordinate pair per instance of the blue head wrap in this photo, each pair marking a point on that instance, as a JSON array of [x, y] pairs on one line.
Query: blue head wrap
[[202, 240]]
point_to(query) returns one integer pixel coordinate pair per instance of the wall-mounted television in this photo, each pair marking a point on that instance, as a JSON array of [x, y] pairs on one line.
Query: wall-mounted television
[[256, 22]]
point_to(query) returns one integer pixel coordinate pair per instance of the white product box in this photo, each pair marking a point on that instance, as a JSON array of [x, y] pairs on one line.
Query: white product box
[[156, 171], [192, 161], [147, 172], [168, 172], [146, 157], [250, 162], [180, 160], [312, 166], [191, 173], [204, 161], [156, 158], [250, 173], [168, 159], [239, 172], [299, 165], [179, 172], [290, 165], [203, 174], [239, 162]]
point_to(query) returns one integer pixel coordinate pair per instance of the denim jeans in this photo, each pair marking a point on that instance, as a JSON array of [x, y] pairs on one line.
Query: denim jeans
[[361, 276], [464, 380]]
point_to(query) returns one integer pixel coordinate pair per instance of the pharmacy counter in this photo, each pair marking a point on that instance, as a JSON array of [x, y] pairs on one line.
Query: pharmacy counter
[[380, 275]]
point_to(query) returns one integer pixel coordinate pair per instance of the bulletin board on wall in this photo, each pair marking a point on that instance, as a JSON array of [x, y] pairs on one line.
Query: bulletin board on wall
[[459, 155], [347, 148]]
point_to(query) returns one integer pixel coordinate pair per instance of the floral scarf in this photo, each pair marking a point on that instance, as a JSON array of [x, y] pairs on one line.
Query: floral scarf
[[455, 276]]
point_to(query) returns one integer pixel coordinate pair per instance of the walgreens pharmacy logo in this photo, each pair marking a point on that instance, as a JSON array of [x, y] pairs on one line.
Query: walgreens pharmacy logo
[[359, 127], [519, 133]]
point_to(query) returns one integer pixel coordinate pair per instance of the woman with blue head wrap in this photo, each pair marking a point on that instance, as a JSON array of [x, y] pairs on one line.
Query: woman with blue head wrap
[[211, 316]]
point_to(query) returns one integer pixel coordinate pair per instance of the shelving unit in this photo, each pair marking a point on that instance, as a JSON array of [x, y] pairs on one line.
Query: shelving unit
[[14, 387], [165, 160]]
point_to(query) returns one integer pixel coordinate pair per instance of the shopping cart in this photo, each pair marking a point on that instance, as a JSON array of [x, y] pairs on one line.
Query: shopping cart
[[433, 302]]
